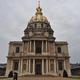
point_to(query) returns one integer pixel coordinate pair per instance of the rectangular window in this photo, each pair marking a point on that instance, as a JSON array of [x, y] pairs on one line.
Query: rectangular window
[[31, 65], [52, 65], [60, 64], [44, 65], [32, 46], [38, 47], [17, 49], [24, 65], [44, 46], [59, 49], [15, 64]]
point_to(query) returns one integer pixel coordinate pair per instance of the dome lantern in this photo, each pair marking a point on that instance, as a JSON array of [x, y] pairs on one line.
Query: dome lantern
[[38, 15]]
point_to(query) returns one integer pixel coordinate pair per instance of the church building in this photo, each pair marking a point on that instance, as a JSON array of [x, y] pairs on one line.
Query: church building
[[38, 53]]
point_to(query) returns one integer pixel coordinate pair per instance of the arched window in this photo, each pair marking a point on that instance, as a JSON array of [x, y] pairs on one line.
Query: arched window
[[59, 49], [17, 49]]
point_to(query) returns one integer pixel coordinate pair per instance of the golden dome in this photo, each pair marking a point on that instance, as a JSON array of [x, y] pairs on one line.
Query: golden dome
[[39, 15]]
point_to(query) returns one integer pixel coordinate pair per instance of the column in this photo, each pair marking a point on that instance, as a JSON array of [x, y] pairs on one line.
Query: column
[[30, 46], [46, 66], [42, 47], [49, 66], [34, 47], [57, 70], [55, 66], [42, 66], [34, 66], [29, 65], [46, 46]]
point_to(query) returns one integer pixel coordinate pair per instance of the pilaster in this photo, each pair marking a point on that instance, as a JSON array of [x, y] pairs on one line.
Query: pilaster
[[11, 65], [64, 65], [46, 46], [42, 47]]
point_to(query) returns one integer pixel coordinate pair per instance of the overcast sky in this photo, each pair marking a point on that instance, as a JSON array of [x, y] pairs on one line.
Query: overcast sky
[[63, 15]]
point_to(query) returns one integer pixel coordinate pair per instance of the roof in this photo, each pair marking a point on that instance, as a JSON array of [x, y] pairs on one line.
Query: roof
[[3, 65], [16, 42], [61, 43], [74, 66]]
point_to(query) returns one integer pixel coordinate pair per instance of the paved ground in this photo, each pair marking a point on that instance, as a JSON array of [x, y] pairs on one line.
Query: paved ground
[[43, 78]]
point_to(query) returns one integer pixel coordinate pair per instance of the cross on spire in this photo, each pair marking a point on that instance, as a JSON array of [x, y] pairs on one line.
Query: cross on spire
[[38, 3], [39, 9]]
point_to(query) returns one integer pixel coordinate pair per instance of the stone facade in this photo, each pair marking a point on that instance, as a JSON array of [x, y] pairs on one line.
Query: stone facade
[[38, 53]]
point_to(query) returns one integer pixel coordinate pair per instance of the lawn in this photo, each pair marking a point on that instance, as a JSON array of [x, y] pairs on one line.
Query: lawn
[[4, 78], [75, 78]]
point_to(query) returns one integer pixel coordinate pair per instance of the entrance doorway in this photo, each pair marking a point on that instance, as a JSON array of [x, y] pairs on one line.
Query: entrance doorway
[[38, 67], [38, 47]]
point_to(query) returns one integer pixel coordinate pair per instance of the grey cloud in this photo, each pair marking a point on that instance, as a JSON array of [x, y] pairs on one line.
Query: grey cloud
[[64, 16]]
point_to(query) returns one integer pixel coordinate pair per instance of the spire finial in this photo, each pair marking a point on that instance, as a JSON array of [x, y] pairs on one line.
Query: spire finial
[[39, 9], [38, 3]]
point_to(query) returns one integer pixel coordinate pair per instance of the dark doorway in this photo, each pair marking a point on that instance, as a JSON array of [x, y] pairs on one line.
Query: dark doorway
[[65, 73], [38, 47], [38, 67]]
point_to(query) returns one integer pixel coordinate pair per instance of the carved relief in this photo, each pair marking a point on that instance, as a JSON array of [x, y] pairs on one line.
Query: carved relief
[[46, 34], [30, 34]]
